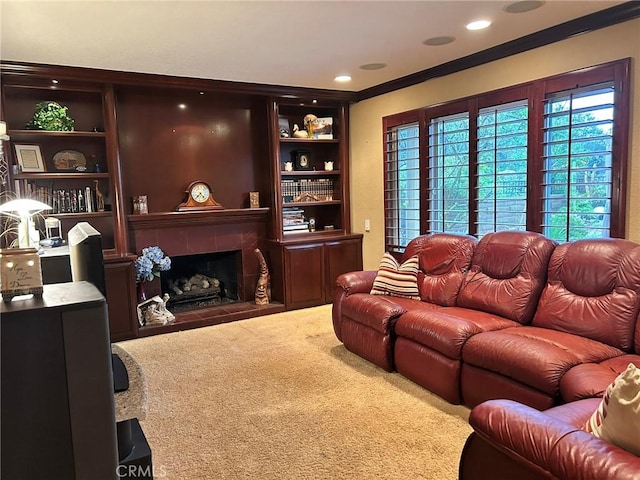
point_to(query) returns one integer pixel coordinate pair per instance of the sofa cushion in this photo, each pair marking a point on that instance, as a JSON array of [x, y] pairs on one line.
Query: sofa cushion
[[617, 418], [537, 357], [444, 260], [446, 329], [507, 274], [398, 280], [593, 291], [592, 379]]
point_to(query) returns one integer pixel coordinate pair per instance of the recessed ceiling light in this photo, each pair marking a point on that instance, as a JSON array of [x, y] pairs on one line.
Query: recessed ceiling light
[[523, 6], [478, 25], [437, 41], [54, 81], [373, 66], [182, 106], [343, 78]]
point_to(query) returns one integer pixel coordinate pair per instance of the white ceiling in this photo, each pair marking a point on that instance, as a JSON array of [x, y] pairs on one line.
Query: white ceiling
[[295, 43]]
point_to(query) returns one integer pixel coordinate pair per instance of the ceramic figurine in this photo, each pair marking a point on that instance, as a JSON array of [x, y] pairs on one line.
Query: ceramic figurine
[[297, 133]]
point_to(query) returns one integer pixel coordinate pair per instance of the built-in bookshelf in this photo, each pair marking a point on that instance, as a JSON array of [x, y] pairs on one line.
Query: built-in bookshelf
[[136, 139], [312, 241], [311, 166], [72, 172]]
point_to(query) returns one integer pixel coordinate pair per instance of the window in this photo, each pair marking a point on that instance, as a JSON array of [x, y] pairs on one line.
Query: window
[[547, 156], [578, 140], [501, 191], [448, 174], [402, 185]]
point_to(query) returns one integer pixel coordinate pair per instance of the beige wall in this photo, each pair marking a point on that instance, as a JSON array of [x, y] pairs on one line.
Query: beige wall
[[613, 43]]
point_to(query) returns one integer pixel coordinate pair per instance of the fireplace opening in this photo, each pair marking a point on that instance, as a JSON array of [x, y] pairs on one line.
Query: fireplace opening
[[201, 280]]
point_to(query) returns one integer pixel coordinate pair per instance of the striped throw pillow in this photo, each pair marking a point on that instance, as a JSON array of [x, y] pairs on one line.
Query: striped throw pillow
[[395, 279], [617, 418]]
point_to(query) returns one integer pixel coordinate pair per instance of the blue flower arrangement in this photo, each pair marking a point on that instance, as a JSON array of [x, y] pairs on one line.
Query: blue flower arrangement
[[151, 263]]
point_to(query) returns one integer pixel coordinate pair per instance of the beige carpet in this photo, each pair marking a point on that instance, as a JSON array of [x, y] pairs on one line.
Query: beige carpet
[[279, 397]]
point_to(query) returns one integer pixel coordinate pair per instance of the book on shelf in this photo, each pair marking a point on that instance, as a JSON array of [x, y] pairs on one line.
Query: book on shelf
[[323, 128], [321, 189], [297, 226], [80, 200]]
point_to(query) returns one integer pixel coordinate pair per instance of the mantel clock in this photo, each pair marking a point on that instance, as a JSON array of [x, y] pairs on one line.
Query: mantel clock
[[198, 197]]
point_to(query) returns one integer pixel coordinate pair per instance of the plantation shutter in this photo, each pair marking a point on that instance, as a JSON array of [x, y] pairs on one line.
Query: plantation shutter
[[448, 174], [402, 185], [501, 186], [578, 141]]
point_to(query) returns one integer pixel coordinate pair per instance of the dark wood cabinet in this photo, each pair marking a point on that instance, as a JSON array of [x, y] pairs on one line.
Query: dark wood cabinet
[[308, 270], [121, 297], [303, 268], [342, 256]]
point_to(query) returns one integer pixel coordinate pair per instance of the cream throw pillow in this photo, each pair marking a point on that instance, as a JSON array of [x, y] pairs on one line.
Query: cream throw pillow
[[617, 418], [395, 279]]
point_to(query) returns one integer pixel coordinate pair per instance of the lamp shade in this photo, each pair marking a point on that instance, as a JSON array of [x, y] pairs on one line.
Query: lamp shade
[[22, 206]]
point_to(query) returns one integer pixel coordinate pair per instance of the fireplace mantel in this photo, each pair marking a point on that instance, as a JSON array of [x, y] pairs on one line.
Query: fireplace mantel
[[204, 232], [190, 219]]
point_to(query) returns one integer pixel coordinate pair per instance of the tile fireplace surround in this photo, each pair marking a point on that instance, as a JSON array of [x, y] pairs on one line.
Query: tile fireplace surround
[[189, 233]]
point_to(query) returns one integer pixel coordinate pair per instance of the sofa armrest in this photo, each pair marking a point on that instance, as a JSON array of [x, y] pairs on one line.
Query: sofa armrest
[[546, 445], [518, 430], [348, 284], [356, 282]]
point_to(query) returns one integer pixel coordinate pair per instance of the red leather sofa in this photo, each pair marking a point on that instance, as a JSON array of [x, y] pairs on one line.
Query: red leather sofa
[[515, 317], [514, 441]]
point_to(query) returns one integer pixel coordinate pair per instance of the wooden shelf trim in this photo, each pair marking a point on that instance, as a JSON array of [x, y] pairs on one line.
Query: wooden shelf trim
[[310, 173], [317, 236], [210, 217], [311, 204], [60, 176], [309, 140], [106, 213], [55, 134]]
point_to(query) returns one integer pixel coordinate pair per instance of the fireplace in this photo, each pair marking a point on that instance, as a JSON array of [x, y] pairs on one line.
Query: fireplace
[[229, 236], [202, 280]]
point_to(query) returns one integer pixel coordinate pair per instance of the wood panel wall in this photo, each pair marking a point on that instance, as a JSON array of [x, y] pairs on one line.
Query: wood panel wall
[[163, 147]]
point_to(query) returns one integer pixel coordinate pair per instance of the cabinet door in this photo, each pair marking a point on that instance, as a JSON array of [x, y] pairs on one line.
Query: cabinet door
[[304, 275], [120, 283], [341, 257]]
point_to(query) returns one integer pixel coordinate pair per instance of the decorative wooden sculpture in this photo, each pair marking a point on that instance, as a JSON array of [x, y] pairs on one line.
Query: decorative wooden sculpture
[[99, 196], [263, 288]]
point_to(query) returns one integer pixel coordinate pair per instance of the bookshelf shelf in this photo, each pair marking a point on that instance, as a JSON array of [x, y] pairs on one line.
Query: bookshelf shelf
[[59, 176], [43, 134]]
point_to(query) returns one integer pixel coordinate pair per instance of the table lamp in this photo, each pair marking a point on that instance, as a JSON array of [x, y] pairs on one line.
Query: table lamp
[[24, 209]]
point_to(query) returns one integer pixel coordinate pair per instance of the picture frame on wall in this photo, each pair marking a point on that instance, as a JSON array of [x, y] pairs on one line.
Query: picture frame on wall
[[29, 158]]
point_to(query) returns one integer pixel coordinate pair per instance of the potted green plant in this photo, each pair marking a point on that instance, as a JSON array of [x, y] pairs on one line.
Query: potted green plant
[[51, 116]]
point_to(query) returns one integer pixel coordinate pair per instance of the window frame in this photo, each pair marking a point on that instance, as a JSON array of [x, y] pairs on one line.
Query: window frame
[[535, 93], [389, 123]]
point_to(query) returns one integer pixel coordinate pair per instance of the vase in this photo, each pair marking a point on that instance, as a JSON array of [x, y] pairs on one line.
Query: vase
[[142, 294]]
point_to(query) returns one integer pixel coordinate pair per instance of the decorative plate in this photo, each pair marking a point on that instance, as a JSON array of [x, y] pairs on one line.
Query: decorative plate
[[70, 160]]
